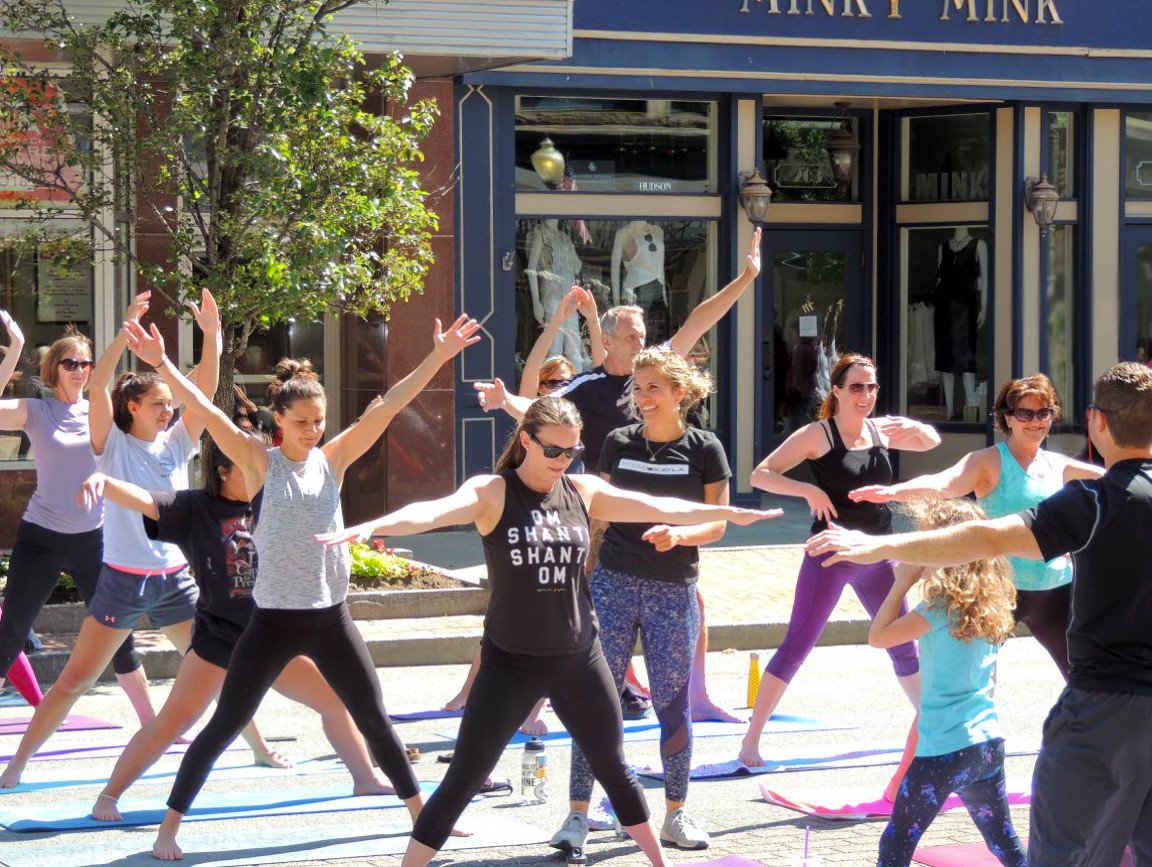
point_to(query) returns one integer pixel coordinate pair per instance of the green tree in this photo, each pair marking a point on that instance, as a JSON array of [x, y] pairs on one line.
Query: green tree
[[279, 165]]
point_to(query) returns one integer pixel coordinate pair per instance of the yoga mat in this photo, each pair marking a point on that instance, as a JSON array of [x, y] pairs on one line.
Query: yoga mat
[[808, 758], [862, 803], [11, 698], [971, 855], [72, 723], [283, 801], [104, 751], [728, 861], [35, 780], [437, 713], [387, 835], [648, 729]]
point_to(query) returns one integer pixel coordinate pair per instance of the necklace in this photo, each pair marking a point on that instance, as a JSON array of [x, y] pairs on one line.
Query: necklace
[[652, 455]]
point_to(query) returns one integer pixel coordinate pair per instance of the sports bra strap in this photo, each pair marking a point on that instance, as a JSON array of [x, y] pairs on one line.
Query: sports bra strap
[[830, 436], [873, 432]]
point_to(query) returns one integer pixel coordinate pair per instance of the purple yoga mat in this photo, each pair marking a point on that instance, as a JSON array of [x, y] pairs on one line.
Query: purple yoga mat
[[103, 751], [72, 723], [969, 855]]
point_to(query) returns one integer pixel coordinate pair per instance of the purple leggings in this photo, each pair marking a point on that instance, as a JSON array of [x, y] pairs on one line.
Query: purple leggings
[[818, 589]]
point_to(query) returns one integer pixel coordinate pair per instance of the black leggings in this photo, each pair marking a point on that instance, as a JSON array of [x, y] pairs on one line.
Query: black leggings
[[507, 685], [272, 639], [38, 558], [1046, 614]]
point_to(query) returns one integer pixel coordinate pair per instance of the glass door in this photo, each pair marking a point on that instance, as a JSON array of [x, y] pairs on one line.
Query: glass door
[[813, 309], [1136, 297]]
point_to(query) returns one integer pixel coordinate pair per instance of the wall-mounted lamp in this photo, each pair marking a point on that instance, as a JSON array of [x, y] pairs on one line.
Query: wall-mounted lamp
[[548, 163], [1041, 199], [755, 195], [842, 149]]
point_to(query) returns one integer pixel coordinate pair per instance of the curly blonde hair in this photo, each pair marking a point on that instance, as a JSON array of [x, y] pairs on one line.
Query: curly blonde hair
[[674, 367], [979, 597]]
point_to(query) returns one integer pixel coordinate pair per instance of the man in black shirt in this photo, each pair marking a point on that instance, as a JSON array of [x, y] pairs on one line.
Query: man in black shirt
[[1092, 787]]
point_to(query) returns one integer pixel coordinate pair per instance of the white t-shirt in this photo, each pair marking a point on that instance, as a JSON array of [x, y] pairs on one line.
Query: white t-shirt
[[160, 465]]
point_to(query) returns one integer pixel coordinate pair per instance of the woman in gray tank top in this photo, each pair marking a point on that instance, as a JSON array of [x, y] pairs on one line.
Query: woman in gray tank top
[[301, 587]]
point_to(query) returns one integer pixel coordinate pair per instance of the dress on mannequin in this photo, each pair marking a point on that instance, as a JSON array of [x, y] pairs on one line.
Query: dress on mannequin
[[639, 247], [552, 269], [961, 281]]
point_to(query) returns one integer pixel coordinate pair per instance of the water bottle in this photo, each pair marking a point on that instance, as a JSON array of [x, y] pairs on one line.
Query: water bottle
[[534, 772], [576, 857]]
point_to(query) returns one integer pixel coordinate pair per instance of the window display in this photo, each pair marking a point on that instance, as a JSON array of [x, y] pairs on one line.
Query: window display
[[796, 159], [946, 158]]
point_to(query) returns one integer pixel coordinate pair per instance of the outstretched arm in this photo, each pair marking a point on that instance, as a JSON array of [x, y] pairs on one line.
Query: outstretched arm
[[969, 474], [351, 443], [100, 381], [711, 310], [609, 503], [530, 378], [121, 493]]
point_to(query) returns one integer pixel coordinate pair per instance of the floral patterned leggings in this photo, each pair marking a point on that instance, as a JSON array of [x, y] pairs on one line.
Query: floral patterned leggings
[[976, 774]]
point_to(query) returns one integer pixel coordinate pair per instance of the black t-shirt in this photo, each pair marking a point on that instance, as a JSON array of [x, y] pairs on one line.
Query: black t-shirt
[[605, 403], [1105, 525], [840, 470], [215, 535], [540, 605], [680, 468]]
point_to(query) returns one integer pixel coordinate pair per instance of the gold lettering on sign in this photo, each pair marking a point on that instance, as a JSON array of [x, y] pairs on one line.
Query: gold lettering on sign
[[1045, 6], [990, 15], [1021, 7], [959, 5], [862, 9], [893, 8]]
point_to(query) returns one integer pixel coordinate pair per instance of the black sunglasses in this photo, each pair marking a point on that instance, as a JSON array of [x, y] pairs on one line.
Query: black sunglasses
[[553, 452], [861, 387], [72, 364], [552, 383], [1023, 414]]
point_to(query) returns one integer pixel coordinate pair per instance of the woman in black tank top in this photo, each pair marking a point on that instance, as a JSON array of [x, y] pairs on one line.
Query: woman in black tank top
[[540, 633], [842, 449]]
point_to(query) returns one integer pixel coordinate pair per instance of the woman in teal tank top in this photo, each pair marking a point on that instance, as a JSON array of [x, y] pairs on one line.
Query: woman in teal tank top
[[1010, 477]]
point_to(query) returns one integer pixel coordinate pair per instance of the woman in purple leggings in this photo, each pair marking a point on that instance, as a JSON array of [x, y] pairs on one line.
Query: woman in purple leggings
[[842, 449]]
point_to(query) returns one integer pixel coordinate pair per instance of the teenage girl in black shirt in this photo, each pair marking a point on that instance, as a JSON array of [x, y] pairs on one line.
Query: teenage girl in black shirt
[[540, 632]]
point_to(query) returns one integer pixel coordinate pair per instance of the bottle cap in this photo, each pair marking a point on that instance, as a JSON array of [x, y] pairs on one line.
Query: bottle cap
[[534, 745]]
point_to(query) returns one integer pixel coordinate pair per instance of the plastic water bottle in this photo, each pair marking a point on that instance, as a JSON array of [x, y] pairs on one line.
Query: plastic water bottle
[[534, 772]]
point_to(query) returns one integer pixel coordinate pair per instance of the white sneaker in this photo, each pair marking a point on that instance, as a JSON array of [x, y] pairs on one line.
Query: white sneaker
[[601, 817], [681, 830], [572, 833]]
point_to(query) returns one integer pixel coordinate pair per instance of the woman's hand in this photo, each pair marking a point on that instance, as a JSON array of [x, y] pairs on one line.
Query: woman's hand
[[353, 535], [492, 394], [850, 545], [663, 537], [586, 303], [138, 307], [744, 517], [820, 504], [207, 314], [242, 400], [147, 345], [15, 335], [873, 494], [904, 432], [448, 344], [91, 491], [752, 261]]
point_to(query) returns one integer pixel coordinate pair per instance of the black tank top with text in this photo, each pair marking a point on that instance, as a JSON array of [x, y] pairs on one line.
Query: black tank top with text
[[540, 604], [841, 470]]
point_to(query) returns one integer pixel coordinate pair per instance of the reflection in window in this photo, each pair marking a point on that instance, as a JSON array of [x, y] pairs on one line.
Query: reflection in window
[[620, 145], [1060, 305], [1143, 350], [946, 158], [662, 266], [1062, 152], [1138, 154], [945, 291], [796, 158]]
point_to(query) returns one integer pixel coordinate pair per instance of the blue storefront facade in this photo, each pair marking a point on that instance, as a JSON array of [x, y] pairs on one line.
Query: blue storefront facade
[[924, 255]]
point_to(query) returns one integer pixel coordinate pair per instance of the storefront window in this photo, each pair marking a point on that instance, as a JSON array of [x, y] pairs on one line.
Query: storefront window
[[254, 369], [946, 293], [662, 266], [1060, 305], [796, 159], [1143, 303], [1061, 127], [619, 145], [1138, 154], [946, 158]]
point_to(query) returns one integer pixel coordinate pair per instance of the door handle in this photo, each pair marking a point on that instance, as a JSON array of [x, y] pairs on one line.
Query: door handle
[[766, 360]]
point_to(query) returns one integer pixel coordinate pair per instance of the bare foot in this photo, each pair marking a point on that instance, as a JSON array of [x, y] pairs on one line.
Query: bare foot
[[460, 832], [271, 759], [165, 847], [707, 710], [10, 779], [105, 809], [374, 787], [750, 755], [536, 728], [455, 703]]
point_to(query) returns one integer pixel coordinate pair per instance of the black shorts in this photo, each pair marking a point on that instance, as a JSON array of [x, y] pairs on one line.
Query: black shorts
[[210, 646]]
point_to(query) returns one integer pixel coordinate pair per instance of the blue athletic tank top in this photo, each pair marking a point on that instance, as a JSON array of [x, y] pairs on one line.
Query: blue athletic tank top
[[1017, 491]]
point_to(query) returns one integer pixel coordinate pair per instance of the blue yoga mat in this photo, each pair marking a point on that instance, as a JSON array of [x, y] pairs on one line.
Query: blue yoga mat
[[282, 801], [438, 713]]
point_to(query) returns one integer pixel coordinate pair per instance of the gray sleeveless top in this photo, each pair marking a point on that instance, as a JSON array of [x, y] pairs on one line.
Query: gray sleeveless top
[[299, 499]]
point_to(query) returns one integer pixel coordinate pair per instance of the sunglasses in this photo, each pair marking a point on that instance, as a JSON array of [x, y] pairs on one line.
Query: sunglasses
[[861, 387], [1044, 413], [651, 243], [553, 452], [73, 364], [552, 383]]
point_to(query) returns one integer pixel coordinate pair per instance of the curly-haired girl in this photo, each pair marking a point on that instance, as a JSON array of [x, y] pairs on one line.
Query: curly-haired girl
[[965, 616]]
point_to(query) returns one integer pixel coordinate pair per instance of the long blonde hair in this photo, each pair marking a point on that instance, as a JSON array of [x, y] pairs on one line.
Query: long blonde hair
[[979, 596]]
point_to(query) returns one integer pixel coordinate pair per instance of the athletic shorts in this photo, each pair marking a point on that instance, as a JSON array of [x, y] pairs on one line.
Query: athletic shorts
[[123, 598], [212, 648]]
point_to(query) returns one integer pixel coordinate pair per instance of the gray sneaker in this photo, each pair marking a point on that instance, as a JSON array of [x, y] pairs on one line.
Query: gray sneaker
[[681, 830], [571, 834]]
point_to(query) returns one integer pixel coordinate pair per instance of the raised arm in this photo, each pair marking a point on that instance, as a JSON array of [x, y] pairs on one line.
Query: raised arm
[[889, 629], [606, 502], [530, 378], [586, 304], [351, 443], [972, 473], [13, 411], [808, 442], [207, 377], [100, 381], [494, 395], [711, 310], [474, 502], [121, 493], [248, 453]]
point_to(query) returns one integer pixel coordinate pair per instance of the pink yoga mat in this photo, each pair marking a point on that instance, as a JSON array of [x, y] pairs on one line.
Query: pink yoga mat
[[728, 861], [72, 723], [970, 855], [104, 751], [863, 803]]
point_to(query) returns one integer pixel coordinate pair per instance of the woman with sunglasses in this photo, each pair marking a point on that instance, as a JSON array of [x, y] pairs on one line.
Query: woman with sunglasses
[[1009, 477], [540, 631], [843, 450], [55, 535]]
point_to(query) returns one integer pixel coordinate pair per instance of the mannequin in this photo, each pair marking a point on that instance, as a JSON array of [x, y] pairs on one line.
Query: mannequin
[[961, 298], [639, 246], [552, 269]]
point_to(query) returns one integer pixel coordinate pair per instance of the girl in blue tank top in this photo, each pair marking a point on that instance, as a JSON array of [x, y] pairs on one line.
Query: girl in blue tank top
[[1006, 478]]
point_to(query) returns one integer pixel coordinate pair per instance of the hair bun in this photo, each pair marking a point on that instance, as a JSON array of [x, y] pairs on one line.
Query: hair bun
[[288, 369]]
